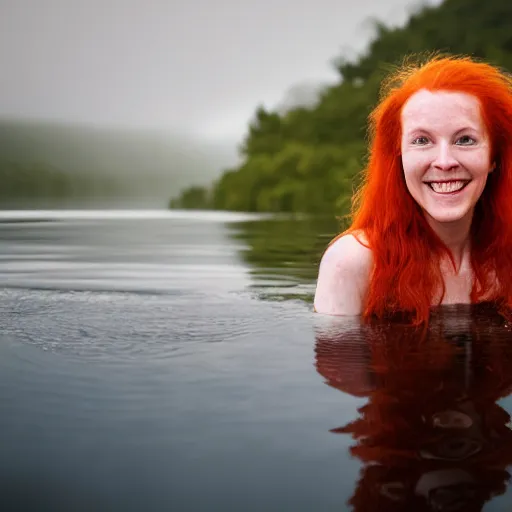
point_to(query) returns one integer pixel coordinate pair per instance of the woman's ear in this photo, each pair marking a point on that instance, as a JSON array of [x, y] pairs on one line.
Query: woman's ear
[[493, 166]]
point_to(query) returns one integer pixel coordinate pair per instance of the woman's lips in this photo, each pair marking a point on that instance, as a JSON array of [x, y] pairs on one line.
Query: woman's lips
[[447, 187]]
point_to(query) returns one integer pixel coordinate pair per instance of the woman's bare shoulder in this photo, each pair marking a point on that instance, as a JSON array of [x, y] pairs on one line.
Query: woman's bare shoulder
[[349, 252], [343, 276]]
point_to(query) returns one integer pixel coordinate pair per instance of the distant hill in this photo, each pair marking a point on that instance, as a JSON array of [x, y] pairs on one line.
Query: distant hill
[[307, 154], [117, 167]]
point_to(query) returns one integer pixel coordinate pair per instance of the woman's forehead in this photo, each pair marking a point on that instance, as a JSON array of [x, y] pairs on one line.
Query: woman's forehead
[[442, 108]]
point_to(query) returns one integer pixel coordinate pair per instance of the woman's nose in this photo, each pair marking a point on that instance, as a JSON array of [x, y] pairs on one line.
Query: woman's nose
[[445, 159]]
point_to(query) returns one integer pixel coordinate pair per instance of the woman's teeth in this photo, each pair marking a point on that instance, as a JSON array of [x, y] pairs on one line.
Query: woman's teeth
[[446, 187]]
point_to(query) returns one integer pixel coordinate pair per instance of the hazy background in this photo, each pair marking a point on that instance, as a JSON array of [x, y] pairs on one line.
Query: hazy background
[[158, 94]]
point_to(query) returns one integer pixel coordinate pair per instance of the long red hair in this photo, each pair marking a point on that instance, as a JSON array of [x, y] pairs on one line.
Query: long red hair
[[406, 251]]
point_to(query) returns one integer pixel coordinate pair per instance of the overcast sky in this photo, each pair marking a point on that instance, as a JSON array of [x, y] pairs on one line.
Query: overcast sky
[[200, 66]]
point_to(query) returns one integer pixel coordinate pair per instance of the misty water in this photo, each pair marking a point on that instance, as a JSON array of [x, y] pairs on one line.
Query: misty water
[[172, 361]]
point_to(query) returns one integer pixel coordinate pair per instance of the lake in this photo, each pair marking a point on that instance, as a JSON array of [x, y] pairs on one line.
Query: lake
[[154, 360]]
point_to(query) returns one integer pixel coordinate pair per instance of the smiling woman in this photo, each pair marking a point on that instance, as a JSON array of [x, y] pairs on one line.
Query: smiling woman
[[445, 145], [432, 222]]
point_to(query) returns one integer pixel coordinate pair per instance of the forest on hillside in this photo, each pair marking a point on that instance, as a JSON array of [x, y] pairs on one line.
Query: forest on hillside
[[45, 163], [309, 159]]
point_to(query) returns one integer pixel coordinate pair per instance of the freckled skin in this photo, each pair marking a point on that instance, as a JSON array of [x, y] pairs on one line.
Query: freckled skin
[[444, 138], [343, 277]]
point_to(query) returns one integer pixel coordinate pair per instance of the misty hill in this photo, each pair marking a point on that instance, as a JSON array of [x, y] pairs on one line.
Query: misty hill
[[44, 160], [307, 154]]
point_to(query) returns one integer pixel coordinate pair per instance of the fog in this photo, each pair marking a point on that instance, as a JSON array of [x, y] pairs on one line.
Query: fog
[[191, 74]]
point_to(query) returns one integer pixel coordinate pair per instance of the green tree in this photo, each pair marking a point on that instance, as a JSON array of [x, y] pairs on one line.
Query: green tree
[[308, 159]]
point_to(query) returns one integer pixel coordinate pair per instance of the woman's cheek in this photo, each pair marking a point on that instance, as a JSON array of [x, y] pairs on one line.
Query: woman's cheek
[[414, 163]]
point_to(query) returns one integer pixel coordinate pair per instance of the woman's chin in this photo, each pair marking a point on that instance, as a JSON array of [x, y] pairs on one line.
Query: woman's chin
[[449, 215]]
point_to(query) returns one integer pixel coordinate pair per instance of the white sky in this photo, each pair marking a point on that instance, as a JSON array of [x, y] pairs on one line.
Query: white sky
[[200, 66]]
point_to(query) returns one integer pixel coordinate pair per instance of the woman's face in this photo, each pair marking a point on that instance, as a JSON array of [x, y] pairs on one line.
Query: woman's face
[[445, 154]]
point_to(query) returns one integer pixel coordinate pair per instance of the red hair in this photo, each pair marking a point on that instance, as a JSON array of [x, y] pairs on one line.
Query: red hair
[[406, 251]]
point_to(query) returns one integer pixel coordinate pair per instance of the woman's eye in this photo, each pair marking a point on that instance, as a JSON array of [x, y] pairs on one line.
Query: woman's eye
[[465, 140], [420, 141]]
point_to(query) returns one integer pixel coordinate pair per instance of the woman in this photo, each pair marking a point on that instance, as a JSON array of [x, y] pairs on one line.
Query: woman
[[432, 222]]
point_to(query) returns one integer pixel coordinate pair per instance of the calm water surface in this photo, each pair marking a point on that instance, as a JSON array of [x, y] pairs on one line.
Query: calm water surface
[[171, 361]]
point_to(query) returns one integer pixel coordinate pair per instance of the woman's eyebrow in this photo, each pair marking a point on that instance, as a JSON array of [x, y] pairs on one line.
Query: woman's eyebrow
[[468, 128], [416, 129], [420, 129]]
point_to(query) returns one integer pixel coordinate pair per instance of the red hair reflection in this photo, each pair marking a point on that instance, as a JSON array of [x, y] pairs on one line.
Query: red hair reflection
[[431, 435], [406, 251]]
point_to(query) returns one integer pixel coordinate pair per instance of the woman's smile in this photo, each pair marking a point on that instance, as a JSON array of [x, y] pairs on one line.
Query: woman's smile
[[448, 187]]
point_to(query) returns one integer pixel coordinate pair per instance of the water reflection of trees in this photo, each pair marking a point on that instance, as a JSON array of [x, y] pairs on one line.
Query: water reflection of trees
[[283, 252], [431, 435]]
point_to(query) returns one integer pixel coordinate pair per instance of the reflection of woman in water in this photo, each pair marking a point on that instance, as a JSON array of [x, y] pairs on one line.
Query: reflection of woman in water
[[433, 221], [431, 436]]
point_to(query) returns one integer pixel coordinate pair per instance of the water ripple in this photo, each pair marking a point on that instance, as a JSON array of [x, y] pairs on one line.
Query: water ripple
[[123, 327]]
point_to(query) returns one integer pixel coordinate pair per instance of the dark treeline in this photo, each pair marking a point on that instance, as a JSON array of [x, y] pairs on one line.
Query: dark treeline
[[308, 159], [68, 164], [33, 182]]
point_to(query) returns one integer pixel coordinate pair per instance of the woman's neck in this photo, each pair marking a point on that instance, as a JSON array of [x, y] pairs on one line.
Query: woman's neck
[[456, 237]]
